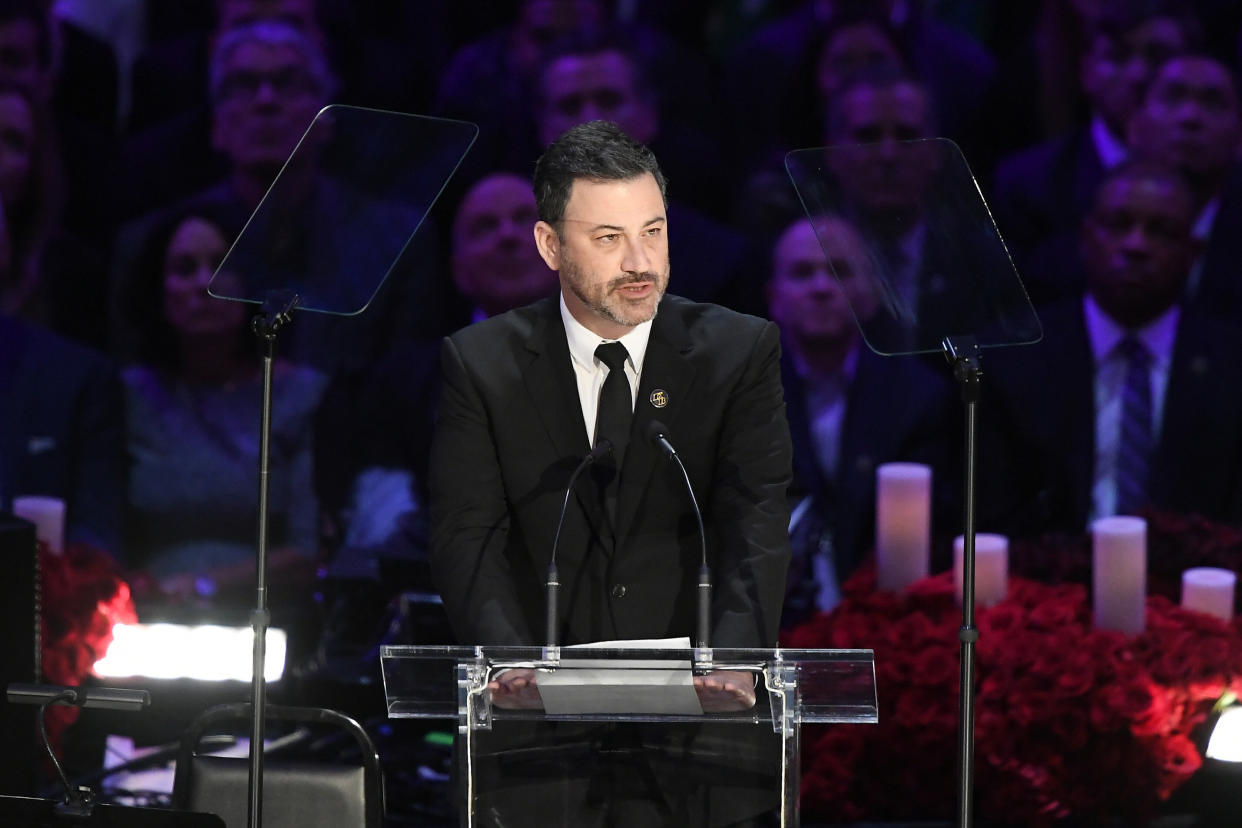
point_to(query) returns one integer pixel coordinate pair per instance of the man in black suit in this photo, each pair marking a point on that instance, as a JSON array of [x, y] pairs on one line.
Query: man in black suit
[[522, 395], [849, 408], [1062, 439], [62, 431]]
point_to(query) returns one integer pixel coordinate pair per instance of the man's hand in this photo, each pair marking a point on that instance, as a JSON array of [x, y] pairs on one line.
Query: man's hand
[[516, 689], [725, 691]]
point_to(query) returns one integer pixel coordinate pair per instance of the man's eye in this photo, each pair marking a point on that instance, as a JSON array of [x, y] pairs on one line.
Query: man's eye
[[607, 238], [653, 231]]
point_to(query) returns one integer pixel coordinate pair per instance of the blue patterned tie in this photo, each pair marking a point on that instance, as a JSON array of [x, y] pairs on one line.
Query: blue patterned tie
[[1134, 447]]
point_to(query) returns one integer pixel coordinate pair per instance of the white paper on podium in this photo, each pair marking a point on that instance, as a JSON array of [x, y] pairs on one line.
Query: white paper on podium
[[586, 685]]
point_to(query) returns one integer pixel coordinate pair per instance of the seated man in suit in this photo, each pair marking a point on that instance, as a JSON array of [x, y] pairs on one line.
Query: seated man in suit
[[1191, 118], [849, 409], [1129, 400], [528, 393], [62, 431], [1043, 192]]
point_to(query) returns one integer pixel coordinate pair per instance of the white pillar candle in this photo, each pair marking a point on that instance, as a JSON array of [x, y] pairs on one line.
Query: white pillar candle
[[48, 516], [902, 524], [1119, 573], [1209, 590], [991, 568]]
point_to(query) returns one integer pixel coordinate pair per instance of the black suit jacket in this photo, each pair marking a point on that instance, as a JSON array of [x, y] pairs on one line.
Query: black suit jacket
[[1219, 290], [1042, 195], [62, 430], [897, 409], [1037, 452], [510, 432]]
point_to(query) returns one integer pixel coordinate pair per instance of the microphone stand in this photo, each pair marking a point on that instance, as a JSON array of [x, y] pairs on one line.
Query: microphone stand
[[551, 619], [962, 353], [276, 313], [657, 434]]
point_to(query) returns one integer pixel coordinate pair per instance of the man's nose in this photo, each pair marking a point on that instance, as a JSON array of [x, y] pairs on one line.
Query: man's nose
[[636, 259]]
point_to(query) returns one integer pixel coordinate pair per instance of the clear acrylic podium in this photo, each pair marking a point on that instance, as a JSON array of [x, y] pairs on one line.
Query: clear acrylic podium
[[594, 695]]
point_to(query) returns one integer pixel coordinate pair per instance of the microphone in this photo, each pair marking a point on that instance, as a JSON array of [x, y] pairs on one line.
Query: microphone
[[602, 447], [657, 435]]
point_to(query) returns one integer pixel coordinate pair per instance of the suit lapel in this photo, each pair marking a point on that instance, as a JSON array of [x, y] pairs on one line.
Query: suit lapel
[[1070, 372], [1192, 388], [553, 389], [663, 392], [550, 381]]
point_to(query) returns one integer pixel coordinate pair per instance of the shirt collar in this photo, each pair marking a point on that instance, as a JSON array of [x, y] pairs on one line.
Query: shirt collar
[[849, 366], [1110, 149], [1104, 333], [582, 342]]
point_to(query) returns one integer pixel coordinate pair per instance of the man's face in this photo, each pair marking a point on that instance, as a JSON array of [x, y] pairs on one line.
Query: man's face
[[810, 303], [581, 88], [888, 173], [494, 265], [1189, 117], [611, 253], [267, 99], [850, 50], [17, 140], [1138, 248], [1116, 69]]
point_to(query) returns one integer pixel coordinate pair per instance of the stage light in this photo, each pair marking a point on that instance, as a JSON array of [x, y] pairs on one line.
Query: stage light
[[176, 651], [1225, 743]]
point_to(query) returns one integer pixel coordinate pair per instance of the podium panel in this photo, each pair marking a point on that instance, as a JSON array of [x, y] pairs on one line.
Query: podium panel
[[620, 737]]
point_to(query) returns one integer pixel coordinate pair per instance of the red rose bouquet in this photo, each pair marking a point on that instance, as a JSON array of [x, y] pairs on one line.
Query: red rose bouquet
[[1071, 722], [83, 596]]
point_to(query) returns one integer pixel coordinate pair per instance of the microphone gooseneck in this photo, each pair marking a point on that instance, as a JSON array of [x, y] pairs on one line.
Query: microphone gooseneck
[[657, 435], [602, 447]]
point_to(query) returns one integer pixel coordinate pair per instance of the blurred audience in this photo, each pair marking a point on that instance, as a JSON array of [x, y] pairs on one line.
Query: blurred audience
[[1147, 406], [47, 275], [72, 75], [193, 399], [1055, 97], [849, 409], [761, 76], [1043, 192], [62, 431], [1191, 118]]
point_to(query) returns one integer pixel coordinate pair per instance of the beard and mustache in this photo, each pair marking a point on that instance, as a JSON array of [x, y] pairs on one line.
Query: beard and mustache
[[606, 300]]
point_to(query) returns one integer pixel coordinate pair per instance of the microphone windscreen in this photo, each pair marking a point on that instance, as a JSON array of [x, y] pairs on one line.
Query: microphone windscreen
[[656, 430]]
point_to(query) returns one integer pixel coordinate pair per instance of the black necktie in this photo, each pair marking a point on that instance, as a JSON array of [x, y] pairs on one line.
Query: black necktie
[[612, 420], [616, 403]]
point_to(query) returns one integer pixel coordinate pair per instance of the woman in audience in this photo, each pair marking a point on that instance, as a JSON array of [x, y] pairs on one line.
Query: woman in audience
[[193, 405]]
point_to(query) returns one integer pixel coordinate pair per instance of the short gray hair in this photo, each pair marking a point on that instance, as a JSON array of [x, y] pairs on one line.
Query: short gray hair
[[272, 33]]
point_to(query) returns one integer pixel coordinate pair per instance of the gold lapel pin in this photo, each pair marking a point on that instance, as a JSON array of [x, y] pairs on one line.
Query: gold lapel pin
[[659, 398]]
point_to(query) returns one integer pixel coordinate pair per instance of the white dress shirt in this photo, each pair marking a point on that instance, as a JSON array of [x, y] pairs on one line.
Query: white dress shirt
[[591, 373], [1104, 336]]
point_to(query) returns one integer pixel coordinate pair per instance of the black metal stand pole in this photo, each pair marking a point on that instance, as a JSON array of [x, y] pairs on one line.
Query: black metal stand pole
[[276, 313], [963, 355]]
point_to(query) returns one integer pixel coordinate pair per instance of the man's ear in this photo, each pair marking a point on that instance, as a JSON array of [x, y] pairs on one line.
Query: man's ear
[[548, 243]]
